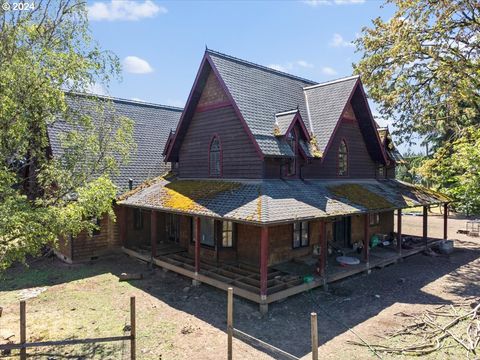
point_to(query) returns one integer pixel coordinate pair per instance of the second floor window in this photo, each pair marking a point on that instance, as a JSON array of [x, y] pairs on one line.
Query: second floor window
[[292, 163], [343, 159], [215, 157]]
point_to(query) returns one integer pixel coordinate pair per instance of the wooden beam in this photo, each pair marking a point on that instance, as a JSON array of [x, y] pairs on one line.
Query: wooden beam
[[399, 231], [366, 238], [445, 221], [133, 329], [425, 224], [263, 262], [197, 244], [314, 332], [229, 323], [23, 330], [323, 248], [153, 232]]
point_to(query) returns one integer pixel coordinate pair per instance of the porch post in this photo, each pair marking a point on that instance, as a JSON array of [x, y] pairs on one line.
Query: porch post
[[122, 225], [366, 241], [425, 225], [197, 245], [445, 221], [399, 231], [323, 248], [153, 232], [263, 269]]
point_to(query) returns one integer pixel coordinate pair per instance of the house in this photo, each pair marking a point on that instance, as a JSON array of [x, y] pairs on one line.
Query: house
[[152, 125], [273, 177]]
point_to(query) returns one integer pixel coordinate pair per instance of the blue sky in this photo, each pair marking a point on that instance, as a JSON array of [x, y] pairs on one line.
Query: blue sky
[[161, 43]]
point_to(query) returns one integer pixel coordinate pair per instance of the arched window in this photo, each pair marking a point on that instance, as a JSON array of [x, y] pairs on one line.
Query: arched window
[[215, 157], [343, 159]]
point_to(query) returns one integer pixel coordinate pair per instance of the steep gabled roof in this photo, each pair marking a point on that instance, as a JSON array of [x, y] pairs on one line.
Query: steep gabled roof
[[152, 125], [326, 103], [260, 93]]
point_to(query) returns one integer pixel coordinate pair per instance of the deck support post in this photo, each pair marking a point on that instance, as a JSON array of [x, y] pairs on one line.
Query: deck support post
[[425, 225], [399, 231], [366, 242], [323, 253], [122, 224], [198, 235], [153, 232], [263, 269], [445, 221]]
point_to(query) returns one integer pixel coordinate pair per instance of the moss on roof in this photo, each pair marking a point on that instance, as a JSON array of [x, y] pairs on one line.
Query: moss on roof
[[359, 195], [184, 195]]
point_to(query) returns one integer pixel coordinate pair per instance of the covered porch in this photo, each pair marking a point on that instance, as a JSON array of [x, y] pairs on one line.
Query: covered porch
[[272, 279]]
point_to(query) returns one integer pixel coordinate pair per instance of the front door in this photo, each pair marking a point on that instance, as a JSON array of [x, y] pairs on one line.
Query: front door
[[343, 231]]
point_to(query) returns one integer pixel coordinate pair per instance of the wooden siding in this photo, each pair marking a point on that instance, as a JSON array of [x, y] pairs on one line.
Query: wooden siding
[[281, 241], [360, 164], [85, 247], [239, 158]]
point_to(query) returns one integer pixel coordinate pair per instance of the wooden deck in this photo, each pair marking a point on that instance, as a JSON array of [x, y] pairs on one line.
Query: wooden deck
[[284, 280]]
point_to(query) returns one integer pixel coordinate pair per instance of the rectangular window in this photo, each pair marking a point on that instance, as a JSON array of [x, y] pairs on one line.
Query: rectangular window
[[137, 219], [374, 219], [301, 237], [227, 234]]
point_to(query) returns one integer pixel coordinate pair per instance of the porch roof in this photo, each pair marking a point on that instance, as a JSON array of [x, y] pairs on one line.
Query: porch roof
[[269, 201]]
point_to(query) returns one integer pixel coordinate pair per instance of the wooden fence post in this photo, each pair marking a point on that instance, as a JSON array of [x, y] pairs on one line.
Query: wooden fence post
[[23, 331], [132, 329], [314, 329], [230, 323]]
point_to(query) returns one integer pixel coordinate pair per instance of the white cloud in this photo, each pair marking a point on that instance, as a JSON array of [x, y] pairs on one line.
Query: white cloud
[[327, 70], [304, 64], [332, 2], [339, 41], [126, 10], [136, 65]]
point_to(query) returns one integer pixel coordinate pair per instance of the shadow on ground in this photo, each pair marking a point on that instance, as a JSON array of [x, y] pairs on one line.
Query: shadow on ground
[[287, 326]]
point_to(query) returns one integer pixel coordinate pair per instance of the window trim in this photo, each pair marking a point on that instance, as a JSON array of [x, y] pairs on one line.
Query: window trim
[[301, 229], [347, 161], [220, 157]]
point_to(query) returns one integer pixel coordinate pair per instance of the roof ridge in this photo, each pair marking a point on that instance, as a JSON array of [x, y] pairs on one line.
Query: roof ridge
[[286, 112], [261, 67], [332, 82], [123, 100]]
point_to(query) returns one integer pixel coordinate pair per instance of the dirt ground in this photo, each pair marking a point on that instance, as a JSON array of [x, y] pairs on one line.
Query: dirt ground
[[177, 321]]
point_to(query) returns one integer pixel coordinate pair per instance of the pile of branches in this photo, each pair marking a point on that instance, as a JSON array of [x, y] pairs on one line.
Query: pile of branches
[[446, 326]]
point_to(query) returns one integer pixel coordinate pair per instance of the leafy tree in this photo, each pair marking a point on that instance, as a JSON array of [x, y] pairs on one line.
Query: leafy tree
[[47, 60], [422, 66], [455, 168], [408, 170]]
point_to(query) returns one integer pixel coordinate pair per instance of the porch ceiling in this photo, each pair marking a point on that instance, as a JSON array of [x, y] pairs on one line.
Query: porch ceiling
[[276, 201]]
